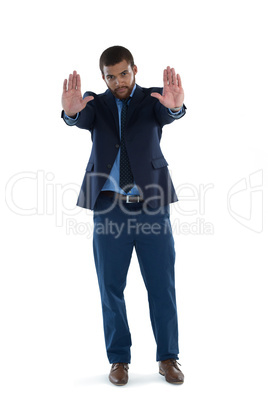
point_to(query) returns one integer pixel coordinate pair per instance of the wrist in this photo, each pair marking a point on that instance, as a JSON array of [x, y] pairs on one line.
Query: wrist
[[71, 115], [176, 109]]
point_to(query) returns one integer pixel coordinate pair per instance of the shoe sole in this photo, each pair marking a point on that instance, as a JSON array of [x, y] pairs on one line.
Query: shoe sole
[[118, 383], [170, 382]]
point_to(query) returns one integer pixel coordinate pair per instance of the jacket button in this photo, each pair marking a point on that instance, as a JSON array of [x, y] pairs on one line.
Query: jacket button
[[117, 145], [109, 166]]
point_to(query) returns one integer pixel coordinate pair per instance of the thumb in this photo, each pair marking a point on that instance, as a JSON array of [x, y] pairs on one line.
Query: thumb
[[156, 95], [87, 99]]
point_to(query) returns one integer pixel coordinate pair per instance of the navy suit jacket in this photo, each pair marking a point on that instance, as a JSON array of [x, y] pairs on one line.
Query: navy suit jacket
[[145, 118]]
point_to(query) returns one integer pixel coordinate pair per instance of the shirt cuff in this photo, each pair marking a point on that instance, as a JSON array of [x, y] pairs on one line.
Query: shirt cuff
[[69, 120], [179, 114], [176, 113]]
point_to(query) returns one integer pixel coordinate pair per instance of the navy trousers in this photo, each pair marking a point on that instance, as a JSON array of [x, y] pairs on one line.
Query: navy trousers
[[118, 228]]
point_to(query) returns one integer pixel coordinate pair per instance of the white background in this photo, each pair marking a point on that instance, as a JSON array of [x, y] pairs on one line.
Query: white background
[[52, 343]]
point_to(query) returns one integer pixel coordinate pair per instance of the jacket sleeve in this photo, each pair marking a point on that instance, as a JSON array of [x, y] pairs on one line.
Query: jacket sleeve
[[164, 117]]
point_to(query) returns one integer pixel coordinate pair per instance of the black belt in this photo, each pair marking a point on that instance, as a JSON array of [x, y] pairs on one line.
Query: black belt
[[122, 197]]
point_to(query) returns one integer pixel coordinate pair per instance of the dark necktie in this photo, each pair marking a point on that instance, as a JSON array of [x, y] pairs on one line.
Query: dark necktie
[[126, 176]]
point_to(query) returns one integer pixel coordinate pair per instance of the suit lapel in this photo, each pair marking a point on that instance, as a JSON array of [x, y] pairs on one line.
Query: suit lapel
[[136, 99], [110, 102]]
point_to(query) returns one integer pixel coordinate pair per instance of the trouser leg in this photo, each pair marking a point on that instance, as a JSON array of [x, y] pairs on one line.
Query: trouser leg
[[156, 256], [112, 253]]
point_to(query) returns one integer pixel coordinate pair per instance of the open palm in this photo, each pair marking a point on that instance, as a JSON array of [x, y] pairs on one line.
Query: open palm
[[72, 100], [173, 94]]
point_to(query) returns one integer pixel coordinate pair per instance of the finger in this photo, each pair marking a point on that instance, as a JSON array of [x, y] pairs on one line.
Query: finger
[[169, 78], [65, 86], [173, 77], [78, 82], [179, 80], [156, 95], [70, 83], [74, 79], [165, 77]]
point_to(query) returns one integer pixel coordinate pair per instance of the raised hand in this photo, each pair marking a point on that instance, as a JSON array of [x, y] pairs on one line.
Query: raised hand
[[72, 100], [173, 94]]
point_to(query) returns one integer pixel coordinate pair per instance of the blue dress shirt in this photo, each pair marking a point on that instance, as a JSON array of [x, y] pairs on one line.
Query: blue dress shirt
[[112, 182]]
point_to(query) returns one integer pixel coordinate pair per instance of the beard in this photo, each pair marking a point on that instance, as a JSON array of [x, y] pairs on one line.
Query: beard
[[123, 92]]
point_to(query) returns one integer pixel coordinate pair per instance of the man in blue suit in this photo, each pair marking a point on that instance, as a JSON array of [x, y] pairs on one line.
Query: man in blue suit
[[128, 186]]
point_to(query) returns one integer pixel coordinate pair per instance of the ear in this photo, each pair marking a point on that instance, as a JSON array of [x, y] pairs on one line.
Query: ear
[[135, 69]]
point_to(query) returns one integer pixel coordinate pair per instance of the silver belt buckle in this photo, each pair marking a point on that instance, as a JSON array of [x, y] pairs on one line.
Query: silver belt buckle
[[131, 202]]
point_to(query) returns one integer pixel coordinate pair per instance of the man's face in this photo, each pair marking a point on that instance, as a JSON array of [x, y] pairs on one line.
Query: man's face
[[120, 79]]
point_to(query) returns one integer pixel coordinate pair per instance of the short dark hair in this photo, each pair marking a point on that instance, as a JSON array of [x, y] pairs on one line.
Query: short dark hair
[[114, 55]]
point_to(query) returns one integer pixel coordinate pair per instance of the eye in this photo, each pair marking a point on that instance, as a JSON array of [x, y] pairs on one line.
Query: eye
[[110, 77], [124, 73]]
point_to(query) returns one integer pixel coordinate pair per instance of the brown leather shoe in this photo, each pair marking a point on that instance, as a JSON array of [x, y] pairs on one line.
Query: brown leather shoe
[[119, 373], [169, 368]]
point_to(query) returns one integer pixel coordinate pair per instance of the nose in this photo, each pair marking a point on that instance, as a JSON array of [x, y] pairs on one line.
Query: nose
[[119, 81]]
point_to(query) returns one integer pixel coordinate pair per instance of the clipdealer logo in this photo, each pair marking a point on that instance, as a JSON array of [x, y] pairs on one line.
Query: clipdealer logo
[[36, 193]]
